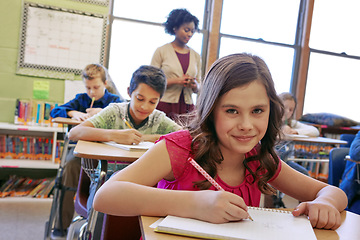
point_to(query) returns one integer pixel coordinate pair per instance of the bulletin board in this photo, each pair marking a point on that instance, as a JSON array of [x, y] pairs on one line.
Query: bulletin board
[[62, 40], [97, 2]]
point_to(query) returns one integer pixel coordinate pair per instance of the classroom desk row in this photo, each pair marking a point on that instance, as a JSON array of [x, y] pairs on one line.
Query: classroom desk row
[[85, 149]]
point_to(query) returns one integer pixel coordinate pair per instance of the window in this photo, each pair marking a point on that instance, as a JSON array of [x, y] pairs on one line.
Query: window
[[333, 86], [137, 31], [333, 78], [264, 28]]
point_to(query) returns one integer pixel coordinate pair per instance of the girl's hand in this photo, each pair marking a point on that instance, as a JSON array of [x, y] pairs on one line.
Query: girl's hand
[[320, 215], [219, 206], [127, 136]]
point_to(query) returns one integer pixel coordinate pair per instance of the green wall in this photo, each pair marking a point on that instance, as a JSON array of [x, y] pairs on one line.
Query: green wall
[[15, 86]]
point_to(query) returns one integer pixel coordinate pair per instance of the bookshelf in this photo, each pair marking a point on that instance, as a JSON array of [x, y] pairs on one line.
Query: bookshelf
[[34, 131], [310, 152]]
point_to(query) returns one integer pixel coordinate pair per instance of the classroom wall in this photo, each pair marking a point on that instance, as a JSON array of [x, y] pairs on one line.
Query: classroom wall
[[15, 86]]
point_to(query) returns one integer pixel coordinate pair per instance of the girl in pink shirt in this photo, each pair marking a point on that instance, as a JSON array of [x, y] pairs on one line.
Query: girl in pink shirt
[[231, 136]]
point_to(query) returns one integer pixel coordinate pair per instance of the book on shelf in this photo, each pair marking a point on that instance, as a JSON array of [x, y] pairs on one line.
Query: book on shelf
[[270, 224], [142, 146], [28, 147], [17, 186], [46, 191], [36, 190], [34, 112]]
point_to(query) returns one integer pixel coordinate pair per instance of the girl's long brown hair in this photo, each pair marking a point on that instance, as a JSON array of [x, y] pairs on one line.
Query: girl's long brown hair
[[225, 74]]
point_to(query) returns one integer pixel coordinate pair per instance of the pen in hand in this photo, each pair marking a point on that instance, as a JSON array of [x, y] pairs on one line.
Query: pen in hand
[[92, 102], [127, 124], [208, 177]]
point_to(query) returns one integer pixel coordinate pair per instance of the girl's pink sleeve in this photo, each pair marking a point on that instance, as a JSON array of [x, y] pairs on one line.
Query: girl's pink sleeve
[[178, 145]]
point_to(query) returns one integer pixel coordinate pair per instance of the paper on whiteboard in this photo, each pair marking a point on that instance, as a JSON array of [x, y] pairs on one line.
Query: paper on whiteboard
[[73, 87]]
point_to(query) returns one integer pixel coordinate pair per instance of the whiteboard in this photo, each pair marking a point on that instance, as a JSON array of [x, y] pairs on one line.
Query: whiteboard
[[60, 39], [73, 87]]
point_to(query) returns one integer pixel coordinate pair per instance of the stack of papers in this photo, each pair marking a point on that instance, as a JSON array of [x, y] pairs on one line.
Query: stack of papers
[[142, 146]]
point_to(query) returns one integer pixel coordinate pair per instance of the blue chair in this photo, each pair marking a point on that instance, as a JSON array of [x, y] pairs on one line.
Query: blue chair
[[347, 137], [337, 164]]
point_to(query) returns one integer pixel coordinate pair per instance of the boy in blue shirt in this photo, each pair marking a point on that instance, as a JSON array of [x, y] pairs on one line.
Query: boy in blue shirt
[[96, 81]]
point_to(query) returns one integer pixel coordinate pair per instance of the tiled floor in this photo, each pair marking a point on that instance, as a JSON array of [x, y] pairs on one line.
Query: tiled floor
[[23, 218]]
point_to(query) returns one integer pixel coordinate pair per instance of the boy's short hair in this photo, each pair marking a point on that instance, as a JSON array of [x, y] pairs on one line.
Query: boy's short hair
[[151, 76], [93, 69]]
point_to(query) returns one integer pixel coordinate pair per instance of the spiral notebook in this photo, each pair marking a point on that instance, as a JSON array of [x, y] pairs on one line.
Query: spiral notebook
[[270, 224]]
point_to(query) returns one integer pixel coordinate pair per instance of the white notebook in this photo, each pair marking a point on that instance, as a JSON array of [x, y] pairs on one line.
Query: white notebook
[[269, 224], [142, 146]]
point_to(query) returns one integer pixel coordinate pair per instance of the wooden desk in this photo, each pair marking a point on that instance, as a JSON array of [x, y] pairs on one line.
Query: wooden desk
[[322, 140], [65, 122], [68, 121], [102, 151], [349, 229], [324, 129]]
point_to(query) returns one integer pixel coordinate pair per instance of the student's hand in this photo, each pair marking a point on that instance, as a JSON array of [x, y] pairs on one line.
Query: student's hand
[[288, 130], [79, 116], [92, 111], [321, 215], [127, 136], [219, 206]]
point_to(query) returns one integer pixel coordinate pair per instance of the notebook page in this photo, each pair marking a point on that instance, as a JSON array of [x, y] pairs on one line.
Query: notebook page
[[266, 225], [141, 146]]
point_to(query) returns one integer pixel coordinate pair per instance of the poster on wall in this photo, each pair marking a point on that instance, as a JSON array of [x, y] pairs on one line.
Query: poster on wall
[[57, 39]]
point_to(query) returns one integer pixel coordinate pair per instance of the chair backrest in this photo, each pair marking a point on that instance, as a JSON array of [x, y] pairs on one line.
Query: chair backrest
[[347, 137], [115, 227], [82, 194], [337, 164]]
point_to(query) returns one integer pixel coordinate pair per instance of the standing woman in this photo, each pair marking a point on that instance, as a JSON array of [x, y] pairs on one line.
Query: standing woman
[[180, 63]]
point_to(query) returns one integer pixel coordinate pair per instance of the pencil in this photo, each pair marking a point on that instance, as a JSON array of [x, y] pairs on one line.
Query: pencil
[[205, 174], [92, 102], [208, 177], [127, 124]]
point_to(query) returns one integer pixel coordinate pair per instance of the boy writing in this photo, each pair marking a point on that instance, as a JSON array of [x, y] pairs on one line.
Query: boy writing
[[146, 123]]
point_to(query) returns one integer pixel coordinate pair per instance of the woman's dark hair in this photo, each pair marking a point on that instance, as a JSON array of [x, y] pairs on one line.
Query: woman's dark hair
[[178, 17], [151, 76], [224, 75]]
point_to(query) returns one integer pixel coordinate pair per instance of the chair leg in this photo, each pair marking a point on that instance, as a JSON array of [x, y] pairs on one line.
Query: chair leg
[[55, 210]]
